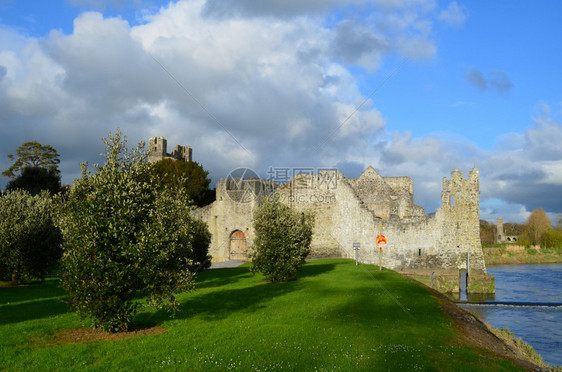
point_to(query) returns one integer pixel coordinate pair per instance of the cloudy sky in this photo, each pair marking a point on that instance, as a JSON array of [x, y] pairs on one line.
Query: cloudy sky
[[412, 87]]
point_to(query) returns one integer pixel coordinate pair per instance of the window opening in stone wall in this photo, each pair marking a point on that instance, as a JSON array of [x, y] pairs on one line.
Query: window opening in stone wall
[[452, 202], [419, 252]]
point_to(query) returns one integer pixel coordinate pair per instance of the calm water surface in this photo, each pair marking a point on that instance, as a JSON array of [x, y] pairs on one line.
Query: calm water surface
[[540, 326]]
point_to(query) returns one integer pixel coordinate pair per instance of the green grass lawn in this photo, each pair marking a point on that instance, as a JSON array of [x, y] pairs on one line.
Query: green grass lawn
[[335, 317]]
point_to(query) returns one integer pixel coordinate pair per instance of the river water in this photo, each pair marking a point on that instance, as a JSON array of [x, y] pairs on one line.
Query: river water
[[528, 289]]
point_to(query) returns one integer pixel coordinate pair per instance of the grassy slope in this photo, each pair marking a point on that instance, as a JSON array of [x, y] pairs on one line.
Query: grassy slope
[[335, 316]]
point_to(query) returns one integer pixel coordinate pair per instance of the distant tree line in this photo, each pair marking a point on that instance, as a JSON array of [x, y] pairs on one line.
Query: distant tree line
[[536, 231]]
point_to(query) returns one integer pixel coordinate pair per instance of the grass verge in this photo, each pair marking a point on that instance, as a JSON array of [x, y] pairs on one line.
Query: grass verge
[[506, 255], [335, 316]]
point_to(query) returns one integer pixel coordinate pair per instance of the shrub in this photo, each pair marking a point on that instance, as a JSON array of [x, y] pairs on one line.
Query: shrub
[[524, 239], [282, 240], [29, 241], [553, 238], [201, 241], [125, 236]]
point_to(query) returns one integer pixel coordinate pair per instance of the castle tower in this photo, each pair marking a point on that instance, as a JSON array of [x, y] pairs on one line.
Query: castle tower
[[461, 213], [157, 147], [500, 236], [182, 153]]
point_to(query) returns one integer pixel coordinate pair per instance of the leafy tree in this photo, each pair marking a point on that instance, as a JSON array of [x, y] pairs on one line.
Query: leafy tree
[[553, 239], [537, 224], [201, 241], [29, 241], [33, 154], [487, 233], [36, 179], [187, 174], [125, 236], [282, 241], [513, 229], [523, 239]]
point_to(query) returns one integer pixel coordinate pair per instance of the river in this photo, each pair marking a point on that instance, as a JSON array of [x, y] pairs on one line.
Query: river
[[528, 289]]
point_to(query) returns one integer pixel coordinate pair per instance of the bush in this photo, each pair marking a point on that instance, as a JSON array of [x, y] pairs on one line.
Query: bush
[[201, 241], [524, 239], [282, 241], [125, 236], [29, 241], [553, 239]]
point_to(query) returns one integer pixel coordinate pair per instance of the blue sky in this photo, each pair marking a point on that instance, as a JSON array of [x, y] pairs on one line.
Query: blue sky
[[448, 84]]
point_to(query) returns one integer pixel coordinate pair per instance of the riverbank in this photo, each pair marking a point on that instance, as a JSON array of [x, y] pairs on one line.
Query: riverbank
[[512, 254], [539, 326]]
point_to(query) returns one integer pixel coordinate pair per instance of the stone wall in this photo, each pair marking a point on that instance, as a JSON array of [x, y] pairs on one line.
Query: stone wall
[[232, 211], [158, 147], [357, 210]]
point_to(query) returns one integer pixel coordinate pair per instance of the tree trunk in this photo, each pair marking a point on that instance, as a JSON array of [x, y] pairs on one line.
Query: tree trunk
[[14, 277]]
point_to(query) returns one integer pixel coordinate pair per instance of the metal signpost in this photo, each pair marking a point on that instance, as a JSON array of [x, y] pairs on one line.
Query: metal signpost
[[356, 246]]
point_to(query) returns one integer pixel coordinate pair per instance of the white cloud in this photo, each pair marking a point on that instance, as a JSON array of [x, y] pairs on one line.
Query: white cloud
[[553, 172], [273, 86], [454, 14]]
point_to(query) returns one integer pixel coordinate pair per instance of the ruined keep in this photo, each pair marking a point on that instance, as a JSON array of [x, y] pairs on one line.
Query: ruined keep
[[354, 210], [158, 147], [500, 235]]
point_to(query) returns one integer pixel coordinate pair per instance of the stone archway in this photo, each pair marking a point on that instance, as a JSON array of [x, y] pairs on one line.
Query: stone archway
[[238, 247]]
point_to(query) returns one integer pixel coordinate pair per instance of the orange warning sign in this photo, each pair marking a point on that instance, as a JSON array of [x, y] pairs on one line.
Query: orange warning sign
[[381, 241]]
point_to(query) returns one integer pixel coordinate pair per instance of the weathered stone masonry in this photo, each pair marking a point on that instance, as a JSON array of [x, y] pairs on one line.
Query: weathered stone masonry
[[158, 150], [353, 210]]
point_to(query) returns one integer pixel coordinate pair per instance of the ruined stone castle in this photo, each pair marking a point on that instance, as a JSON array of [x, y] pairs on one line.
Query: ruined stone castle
[[500, 235], [158, 150], [352, 211]]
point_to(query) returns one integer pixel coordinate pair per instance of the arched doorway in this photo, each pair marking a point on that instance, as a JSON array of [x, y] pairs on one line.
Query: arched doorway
[[238, 248]]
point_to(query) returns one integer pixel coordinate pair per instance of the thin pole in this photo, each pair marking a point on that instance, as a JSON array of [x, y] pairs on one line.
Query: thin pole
[[380, 248]]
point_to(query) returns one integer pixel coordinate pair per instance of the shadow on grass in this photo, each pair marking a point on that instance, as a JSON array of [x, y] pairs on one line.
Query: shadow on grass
[[227, 276], [32, 310], [27, 292], [221, 303], [221, 277]]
